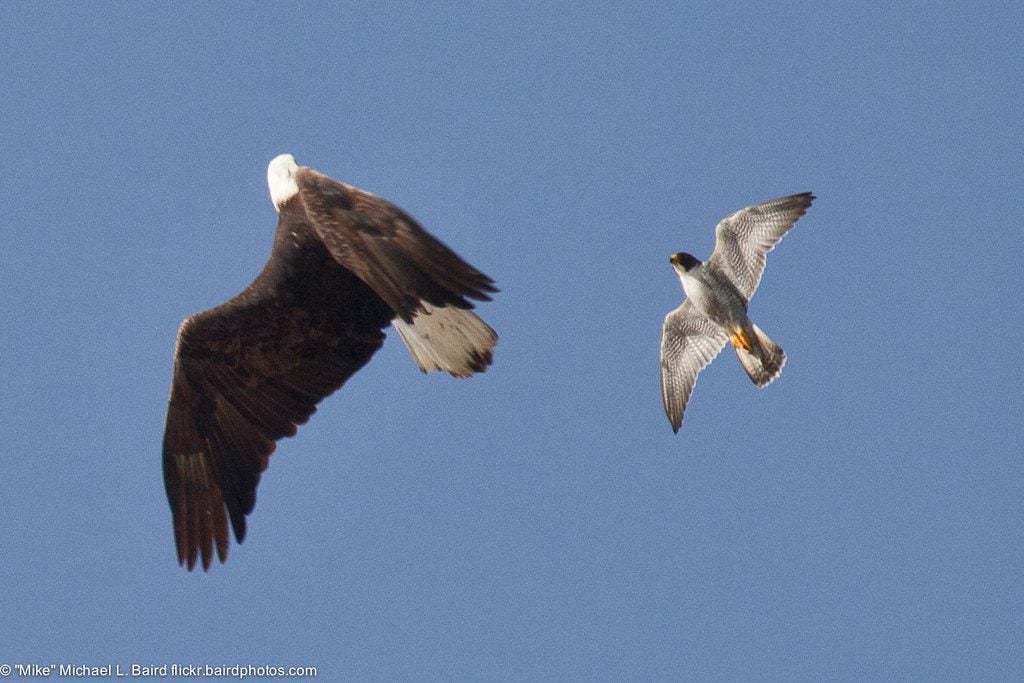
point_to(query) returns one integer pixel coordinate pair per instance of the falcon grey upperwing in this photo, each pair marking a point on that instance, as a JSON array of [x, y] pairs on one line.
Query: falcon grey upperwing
[[246, 373], [744, 238], [689, 341]]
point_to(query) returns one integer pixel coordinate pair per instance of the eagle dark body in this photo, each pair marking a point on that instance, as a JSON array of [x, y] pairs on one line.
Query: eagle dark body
[[250, 371]]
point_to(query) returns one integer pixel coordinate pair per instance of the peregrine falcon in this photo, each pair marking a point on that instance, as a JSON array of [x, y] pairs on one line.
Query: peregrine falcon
[[717, 294]]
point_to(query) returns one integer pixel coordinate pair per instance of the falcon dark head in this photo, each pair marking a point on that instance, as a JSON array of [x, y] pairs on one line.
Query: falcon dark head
[[684, 261]]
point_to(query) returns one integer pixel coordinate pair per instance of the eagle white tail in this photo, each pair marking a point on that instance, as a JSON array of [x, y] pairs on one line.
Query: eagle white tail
[[451, 339], [764, 361]]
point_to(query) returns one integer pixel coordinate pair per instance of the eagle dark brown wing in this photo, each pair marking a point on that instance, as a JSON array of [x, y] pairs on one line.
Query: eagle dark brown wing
[[403, 263], [246, 374]]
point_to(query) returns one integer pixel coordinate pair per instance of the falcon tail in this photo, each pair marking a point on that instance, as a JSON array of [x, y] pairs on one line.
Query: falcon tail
[[762, 359], [447, 338]]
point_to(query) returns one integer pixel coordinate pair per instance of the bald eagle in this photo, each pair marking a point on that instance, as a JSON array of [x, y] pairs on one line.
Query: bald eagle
[[345, 264]]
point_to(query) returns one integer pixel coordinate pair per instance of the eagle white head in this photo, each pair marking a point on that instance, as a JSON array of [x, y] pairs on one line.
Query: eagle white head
[[281, 179]]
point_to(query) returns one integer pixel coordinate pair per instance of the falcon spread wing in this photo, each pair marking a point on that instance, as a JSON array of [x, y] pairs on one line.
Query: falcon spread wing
[[689, 341], [743, 239]]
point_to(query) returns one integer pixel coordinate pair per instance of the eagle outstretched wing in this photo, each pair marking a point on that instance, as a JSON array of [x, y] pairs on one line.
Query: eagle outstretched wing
[[386, 248], [244, 377]]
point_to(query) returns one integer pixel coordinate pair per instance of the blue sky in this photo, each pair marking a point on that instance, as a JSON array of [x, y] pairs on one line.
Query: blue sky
[[861, 517]]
